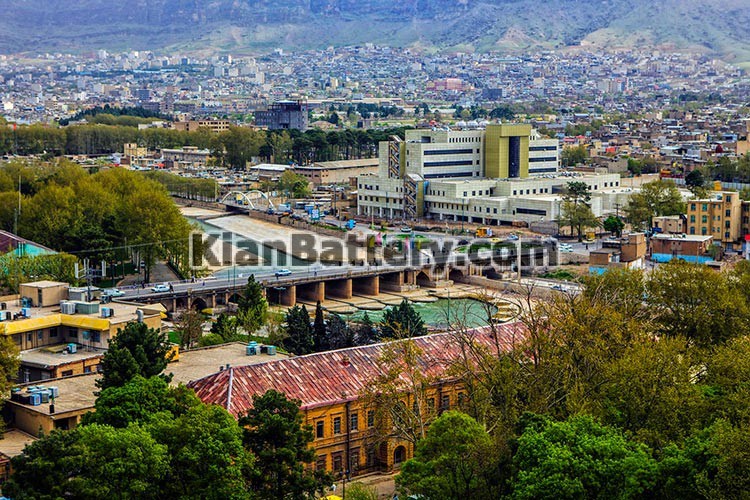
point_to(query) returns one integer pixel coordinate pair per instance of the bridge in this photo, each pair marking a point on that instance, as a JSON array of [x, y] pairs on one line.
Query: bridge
[[335, 282], [254, 200]]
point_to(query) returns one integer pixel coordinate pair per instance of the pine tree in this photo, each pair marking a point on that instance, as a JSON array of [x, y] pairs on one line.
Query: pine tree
[[367, 332], [252, 306], [402, 321], [320, 338], [300, 336], [339, 334]]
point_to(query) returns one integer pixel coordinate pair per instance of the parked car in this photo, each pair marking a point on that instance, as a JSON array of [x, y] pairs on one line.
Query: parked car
[[113, 292], [405, 229], [162, 287], [283, 272]]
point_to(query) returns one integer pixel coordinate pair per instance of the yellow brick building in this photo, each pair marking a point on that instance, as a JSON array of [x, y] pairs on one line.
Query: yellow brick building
[[720, 216], [330, 386]]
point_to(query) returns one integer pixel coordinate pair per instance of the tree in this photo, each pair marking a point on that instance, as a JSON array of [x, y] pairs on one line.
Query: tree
[[295, 184], [367, 333], [334, 118], [206, 454], [579, 458], [502, 113], [320, 336], [402, 321], [696, 183], [252, 307], [91, 461], [190, 327], [225, 327], [135, 350], [281, 145], [573, 156], [275, 434], [696, 303], [655, 199], [139, 401], [299, 332], [340, 335], [614, 225], [578, 217], [454, 460]]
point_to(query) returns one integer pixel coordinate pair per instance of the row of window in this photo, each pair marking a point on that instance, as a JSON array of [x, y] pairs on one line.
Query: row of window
[[450, 163], [320, 425], [450, 175], [435, 152], [704, 218], [337, 460], [531, 191], [542, 148], [464, 139], [543, 158]]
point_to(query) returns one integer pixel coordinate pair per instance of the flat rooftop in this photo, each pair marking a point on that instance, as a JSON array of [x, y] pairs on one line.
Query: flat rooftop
[[14, 441], [124, 311], [55, 355], [682, 237], [198, 363], [75, 393]]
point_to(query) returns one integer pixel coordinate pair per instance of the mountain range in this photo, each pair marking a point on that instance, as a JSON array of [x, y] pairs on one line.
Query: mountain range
[[720, 27]]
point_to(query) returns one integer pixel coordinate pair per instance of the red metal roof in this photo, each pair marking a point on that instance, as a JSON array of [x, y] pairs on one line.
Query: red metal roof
[[327, 378]]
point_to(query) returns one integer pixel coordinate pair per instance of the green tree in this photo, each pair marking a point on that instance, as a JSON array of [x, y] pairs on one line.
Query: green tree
[[252, 307], [320, 335], [135, 350], [225, 326], [366, 332], [340, 335], [578, 216], [614, 225], [92, 461], [454, 460], [295, 184], [579, 458], [299, 332], [139, 401], [655, 199], [402, 321], [696, 183], [275, 434], [573, 156], [696, 303]]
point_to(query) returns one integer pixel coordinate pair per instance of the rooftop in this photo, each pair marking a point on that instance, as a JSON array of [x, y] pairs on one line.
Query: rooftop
[[198, 363], [76, 393], [332, 377], [682, 237], [55, 355], [14, 441]]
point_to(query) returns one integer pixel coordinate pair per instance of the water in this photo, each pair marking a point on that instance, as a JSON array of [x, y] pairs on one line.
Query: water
[[268, 254], [439, 314]]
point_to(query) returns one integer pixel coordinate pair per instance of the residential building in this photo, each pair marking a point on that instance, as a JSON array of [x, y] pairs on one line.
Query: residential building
[[670, 224], [329, 386], [186, 157], [76, 394], [690, 248], [284, 115], [719, 216], [215, 126], [628, 252]]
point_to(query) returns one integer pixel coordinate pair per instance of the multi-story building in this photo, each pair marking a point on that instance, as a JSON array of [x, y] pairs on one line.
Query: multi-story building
[[187, 156], [337, 172], [283, 115], [215, 126], [719, 216], [690, 248], [628, 252], [330, 385], [481, 176]]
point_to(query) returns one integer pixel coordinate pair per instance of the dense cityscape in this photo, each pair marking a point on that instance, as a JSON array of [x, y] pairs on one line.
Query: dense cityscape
[[372, 271]]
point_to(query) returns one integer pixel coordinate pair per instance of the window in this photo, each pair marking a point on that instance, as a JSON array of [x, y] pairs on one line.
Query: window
[[40, 335], [354, 422], [338, 462], [354, 460], [67, 373], [431, 404], [319, 429], [371, 418], [461, 399], [96, 336], [704, 219], [337, 425], [445, 402], [53, 332], [321, 462], [692, 219], [73, 332], [86, 369], [728, 213]]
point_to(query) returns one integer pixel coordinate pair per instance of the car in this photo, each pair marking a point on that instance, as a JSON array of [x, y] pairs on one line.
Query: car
[[283, 272], [558, 287], [512, 237], [162, 287], [406, 229], [113, 292]]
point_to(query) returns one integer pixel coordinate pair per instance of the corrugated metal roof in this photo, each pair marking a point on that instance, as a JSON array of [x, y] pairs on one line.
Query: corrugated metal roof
[[327, 378]]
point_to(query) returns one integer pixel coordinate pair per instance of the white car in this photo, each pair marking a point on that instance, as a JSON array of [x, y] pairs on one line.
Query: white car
[[113, 292], [163, 287], [283, 272]]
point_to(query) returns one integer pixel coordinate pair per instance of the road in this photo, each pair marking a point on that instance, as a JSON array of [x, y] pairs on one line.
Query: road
[[240, 279]]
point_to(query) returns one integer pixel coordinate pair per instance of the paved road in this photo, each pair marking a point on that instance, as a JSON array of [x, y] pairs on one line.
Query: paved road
[[265, 277]]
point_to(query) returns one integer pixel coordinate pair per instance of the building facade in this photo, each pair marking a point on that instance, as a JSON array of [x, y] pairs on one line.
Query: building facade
[[284, 115], [719, 216], [346, 427]]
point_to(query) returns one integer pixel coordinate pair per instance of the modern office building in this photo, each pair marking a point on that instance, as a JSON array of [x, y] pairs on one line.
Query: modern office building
[[283, 115], [502, 174]]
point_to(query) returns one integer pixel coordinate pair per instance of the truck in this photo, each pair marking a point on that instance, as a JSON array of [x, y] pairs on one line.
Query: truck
[[483, 232]]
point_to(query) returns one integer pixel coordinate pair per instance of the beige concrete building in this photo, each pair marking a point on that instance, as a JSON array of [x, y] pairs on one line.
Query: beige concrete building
[[337, 172]]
